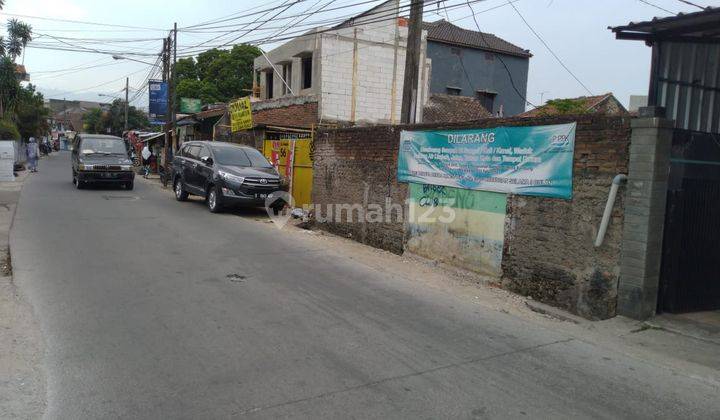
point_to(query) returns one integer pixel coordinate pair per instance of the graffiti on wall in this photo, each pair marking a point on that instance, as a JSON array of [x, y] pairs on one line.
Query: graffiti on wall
[[473, 240]]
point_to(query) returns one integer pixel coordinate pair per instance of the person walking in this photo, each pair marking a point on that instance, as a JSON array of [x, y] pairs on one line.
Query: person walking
[[32, 154]]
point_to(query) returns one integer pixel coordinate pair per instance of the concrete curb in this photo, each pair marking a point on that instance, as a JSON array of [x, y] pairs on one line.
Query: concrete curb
[[554, 312]]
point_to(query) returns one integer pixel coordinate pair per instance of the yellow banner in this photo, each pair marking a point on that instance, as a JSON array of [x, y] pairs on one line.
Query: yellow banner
[[241, 115]]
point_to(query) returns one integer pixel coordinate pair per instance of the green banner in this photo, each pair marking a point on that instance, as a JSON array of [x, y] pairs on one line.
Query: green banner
[[530, 160]]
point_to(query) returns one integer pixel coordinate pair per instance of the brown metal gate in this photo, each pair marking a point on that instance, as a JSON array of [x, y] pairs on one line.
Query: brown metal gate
[[690, 273]]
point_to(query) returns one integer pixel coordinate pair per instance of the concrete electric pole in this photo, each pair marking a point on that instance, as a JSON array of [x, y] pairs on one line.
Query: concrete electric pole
[[127, 104], [412, 63]]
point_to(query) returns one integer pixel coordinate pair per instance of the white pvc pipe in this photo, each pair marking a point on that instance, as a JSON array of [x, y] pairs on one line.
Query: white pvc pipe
[[617, 181]]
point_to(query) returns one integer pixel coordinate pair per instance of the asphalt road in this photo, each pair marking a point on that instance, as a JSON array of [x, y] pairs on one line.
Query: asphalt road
[[156, 309]]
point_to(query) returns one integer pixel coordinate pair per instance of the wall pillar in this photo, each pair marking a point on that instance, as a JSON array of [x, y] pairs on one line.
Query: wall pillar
[[644, 214]]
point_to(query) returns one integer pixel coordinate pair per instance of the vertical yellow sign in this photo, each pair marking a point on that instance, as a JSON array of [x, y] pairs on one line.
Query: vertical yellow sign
[[241, 115]]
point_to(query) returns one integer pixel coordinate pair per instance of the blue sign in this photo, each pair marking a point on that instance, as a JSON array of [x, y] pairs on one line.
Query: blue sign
[[158, 101], [520, 160]]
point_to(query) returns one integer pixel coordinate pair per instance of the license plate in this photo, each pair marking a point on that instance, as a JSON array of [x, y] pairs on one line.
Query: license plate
[[260, 195], [108, 175]]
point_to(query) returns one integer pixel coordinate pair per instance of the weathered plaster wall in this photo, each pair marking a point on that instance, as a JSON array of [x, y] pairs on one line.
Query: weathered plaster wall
[[470, 231]]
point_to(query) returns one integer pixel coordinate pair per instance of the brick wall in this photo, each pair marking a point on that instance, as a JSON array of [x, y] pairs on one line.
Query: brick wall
[[548, 246], [359, 166], [300, 115], [549, 252]]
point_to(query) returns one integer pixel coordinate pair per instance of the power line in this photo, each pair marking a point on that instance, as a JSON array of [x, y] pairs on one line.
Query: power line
[[377, 16], [83, 22], [657, 7], [550, 49], [692, 4]]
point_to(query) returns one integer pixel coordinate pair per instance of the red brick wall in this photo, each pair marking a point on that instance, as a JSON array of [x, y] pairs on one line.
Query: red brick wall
[[302, 115], [359, 166], [548, 247]]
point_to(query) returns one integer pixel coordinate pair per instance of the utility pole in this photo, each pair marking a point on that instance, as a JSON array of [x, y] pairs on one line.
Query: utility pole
[[412, 63], [172, 83], [165, 73], [127, 105]]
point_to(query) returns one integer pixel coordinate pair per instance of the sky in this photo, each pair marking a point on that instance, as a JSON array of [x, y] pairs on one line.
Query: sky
[[575, 30]]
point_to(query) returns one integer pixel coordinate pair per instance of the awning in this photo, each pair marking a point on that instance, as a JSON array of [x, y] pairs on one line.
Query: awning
[[153, 137]]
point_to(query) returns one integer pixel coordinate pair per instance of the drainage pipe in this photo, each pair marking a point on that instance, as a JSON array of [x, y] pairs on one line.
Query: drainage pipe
[[617, 181]]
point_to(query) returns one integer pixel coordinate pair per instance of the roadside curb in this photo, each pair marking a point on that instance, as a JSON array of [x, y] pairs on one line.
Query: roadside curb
[[554, 312]]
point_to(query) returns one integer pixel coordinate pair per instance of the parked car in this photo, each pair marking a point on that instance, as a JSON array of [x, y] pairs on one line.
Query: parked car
[[101, 159], [225, 174]]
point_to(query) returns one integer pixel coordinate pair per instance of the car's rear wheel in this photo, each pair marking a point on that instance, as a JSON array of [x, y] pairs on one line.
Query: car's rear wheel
[[180, 193], [214, 200]]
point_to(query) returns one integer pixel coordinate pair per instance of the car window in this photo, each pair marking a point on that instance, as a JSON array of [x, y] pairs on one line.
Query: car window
[[204, 151], [192, 151], [237, 156], [257, 159], [92, 146], [182, 151]]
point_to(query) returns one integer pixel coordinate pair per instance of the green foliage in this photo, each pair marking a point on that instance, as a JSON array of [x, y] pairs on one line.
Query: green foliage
[[565, 106], [31, 114], [217, 75], [8, 130], [200, 89], [98, 121]]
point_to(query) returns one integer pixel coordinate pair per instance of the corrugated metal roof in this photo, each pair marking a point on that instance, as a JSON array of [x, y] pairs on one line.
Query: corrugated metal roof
[[445, 32], [702, 25]]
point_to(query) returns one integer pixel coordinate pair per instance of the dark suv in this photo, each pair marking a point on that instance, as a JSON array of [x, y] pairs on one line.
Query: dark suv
[[100, 159], [225, 174]]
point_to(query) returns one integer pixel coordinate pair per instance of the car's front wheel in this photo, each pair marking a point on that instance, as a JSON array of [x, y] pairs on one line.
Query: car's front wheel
[[78, 184], [214, 198], [180, 193]]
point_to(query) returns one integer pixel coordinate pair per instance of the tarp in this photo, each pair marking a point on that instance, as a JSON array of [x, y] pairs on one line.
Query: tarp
[[536, 160]]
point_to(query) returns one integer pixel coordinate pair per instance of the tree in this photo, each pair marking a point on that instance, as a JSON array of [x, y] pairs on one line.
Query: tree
[[8, 130], [31, 115], [200, 89], [216, 75], [99, 121], [19, 34]]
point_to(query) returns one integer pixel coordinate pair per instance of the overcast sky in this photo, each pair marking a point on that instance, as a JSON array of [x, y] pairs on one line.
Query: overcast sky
[[575, 29]]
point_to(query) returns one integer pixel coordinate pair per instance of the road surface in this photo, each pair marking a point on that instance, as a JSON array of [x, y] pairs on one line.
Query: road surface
[[156, 309]]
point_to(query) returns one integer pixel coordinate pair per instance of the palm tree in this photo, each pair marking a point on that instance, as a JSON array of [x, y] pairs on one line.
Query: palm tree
[[19, 35], [25, 37]]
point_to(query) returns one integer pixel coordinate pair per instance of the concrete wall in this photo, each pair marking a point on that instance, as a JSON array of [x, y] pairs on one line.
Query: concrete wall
[[485, 72], [547, 244], [290, 52]]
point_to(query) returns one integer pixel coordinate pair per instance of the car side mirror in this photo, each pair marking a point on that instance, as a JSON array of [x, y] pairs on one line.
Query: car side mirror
[[207, 160]]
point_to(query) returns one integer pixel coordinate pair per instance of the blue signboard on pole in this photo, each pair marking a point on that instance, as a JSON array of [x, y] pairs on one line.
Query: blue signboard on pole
[[158, 101], [520, 160]]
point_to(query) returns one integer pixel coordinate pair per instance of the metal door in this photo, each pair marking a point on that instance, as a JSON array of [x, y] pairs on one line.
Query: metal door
[[690, 273]]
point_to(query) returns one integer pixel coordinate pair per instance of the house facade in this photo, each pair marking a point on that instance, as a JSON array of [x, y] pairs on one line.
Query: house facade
[[354, 70], [471, 63]]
